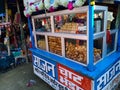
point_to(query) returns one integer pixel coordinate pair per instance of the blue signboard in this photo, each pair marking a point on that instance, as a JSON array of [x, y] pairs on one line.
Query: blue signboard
[[109, 79]]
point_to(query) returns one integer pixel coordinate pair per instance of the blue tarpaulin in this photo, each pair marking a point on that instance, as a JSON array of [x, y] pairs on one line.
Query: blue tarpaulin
[[2, 14]]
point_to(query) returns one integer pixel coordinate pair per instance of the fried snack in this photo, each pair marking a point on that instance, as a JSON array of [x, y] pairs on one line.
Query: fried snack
[[55, 45], [79, 52]]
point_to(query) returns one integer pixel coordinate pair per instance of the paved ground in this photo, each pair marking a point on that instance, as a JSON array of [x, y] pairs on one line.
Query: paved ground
[[17, 78]]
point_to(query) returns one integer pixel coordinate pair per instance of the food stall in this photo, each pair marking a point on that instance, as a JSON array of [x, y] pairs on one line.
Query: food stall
[[74, 48]]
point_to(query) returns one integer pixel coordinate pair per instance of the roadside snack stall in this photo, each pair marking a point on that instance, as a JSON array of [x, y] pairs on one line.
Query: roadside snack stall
[[76, 48]]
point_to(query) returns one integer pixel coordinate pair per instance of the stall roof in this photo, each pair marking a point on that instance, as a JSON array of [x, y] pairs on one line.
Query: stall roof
[[109, 1]]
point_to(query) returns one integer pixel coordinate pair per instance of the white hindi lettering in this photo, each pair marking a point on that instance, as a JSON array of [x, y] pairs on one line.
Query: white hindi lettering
[[63, 71], [69, 84], [63, 80], [50, 67], [108, 76], [101, 81], [117, 67], [36, 60], [76, 78], [44, 65]]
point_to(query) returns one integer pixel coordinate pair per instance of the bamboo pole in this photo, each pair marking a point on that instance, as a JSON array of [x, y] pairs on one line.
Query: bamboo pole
[[7, 33]]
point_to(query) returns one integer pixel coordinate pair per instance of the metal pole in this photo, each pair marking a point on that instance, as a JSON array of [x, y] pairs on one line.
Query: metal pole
[[22, 33], [90, 36]]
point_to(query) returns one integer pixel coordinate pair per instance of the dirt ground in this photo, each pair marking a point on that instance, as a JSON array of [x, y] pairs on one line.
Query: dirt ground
[[18, 78]]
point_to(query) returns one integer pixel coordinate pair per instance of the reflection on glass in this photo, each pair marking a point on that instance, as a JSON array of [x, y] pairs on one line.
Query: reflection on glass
[[98, 44], [42, 24], [76, 50], [54, 44], [41, 42], [111, 44], [113, 22], [98, 21], [109, 20], [72, 23]]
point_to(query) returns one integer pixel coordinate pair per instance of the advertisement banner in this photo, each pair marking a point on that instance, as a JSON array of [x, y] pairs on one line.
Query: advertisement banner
[[73, 80], [59, 76]]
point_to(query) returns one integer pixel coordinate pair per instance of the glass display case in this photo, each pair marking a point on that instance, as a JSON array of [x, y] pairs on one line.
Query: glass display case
[[76, 49], [42, 24], [65, 33], [98, 21], [71, 23], [54, 44], [41, 44]]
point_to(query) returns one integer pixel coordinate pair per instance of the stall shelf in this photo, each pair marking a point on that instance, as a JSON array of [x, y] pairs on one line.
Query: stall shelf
[[70, 51]]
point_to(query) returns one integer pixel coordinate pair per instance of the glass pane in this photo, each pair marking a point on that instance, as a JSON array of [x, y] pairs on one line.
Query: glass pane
[[98, 45], [76, 50], [72, 23], [54, 44], [43, 24], [98, 21], [41, 42], [111, 44], [112, 19]]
